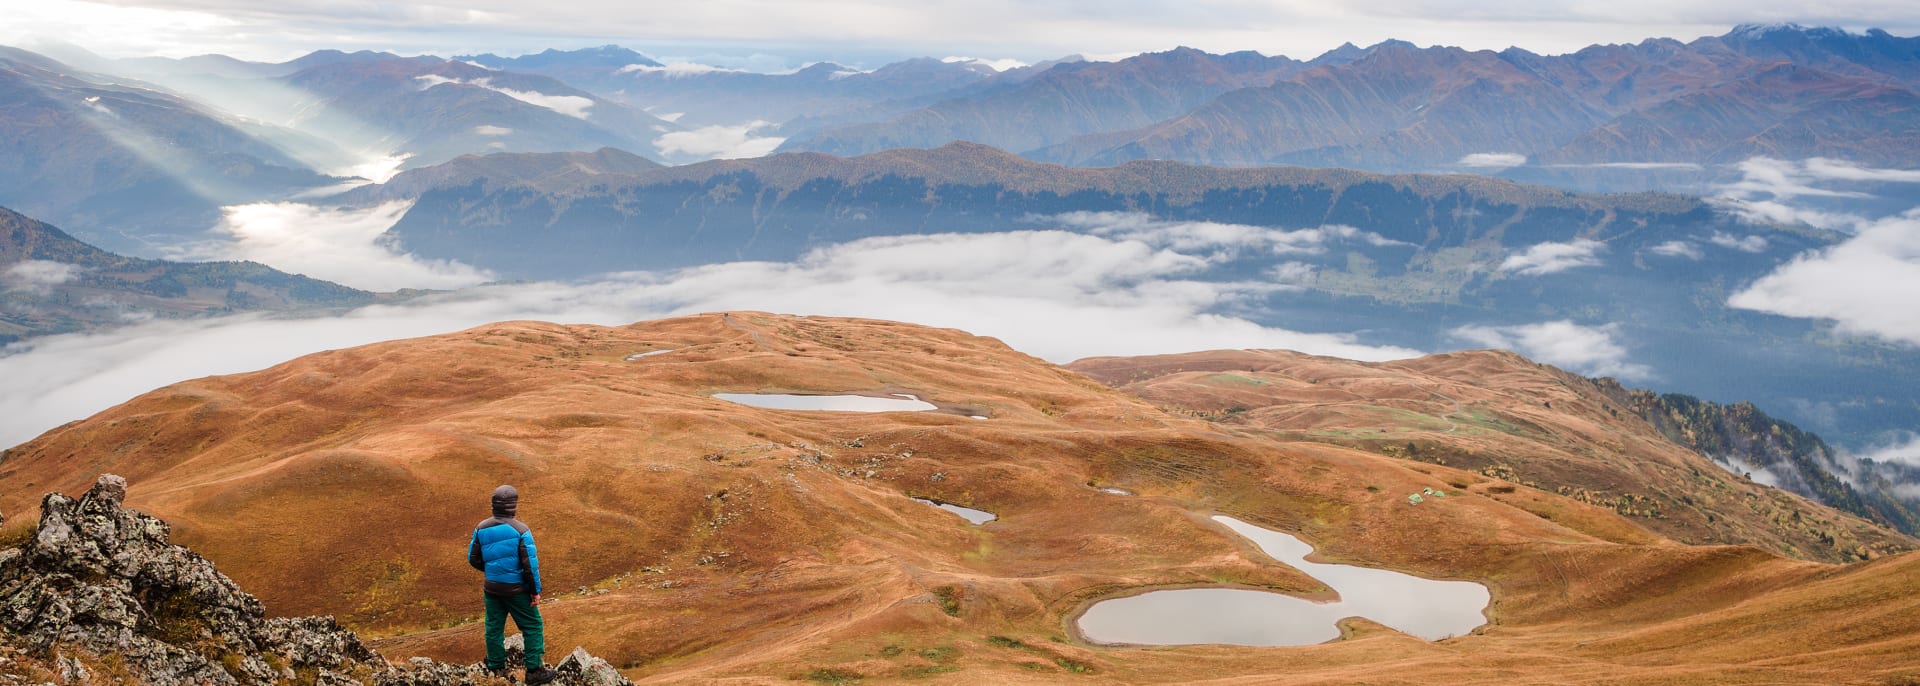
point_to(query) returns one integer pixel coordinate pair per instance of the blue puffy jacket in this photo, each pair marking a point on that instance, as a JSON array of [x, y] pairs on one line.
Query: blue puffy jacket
[[503, 548]]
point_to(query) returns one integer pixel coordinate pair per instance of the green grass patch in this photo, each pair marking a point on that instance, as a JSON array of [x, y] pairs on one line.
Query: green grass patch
[[923, 671], [1004, 642], [1072, 665], [834, 677], [949, 600]]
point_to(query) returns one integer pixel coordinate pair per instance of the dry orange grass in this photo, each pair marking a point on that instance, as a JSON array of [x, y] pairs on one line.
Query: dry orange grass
[[742, 545]]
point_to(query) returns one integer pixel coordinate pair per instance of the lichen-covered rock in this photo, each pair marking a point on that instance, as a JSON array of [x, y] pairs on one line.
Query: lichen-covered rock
[[98, 580]]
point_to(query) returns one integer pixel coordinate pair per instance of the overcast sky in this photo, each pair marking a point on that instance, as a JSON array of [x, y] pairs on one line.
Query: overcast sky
[[867, 32]]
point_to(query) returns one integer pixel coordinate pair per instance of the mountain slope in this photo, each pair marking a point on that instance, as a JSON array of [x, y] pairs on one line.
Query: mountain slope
[[1785, 91], [777, 207], [1064, 101], [121, 163], [559, 172], [1744, 438], [435, 110], [1714, 100], [716, 541], [1505, 417], [697, 95], [51, 283], [1399, 107]]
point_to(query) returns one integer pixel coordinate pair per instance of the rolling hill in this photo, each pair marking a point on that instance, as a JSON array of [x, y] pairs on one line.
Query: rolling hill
[[709, 540]]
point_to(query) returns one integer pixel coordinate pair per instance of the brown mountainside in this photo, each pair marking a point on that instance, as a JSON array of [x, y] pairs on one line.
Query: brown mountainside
[[713, 541], [1502, 416]]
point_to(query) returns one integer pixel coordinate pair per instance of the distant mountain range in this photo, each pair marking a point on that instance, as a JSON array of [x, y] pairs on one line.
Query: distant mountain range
[[1784, 91], [700, 95], [120, 160], [511, 214], [51, 283]]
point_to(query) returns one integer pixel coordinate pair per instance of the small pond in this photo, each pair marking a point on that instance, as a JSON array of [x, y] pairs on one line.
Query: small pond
[[1429, 609], [651, 353], [1115, 491], [977, 517], [900, 402]]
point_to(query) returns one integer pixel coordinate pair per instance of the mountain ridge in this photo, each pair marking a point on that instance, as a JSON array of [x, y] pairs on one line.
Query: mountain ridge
[[52, 283]]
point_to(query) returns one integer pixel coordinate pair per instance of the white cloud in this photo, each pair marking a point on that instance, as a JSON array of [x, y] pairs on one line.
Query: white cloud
[[1292, 273], [1748, 243], [1197, 235], [1645, 166], [1549, 258], [1868, 284], [1493, 160], [1589, 350], [1686, 249], [996, 65], [38, 276], [720, 141], [1760, 475], [377, 168], [676, 69], [670, 116], [1039, 291], [575, 106], [339, 245], [1765, 212], [1781, 180], [491, 130], [1821, 167], [1901, 447]]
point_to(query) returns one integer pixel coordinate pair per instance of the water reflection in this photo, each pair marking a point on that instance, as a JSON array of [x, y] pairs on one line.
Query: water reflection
[[977, 517], [1425, 608]]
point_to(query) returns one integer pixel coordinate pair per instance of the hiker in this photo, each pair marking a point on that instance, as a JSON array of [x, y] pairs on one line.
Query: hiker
[[503, 548]]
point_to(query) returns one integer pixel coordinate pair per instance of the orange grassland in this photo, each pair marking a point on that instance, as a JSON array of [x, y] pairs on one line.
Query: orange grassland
[[691, 540]]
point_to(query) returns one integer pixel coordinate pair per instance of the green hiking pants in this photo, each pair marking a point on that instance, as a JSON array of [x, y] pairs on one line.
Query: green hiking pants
[[526, 617]]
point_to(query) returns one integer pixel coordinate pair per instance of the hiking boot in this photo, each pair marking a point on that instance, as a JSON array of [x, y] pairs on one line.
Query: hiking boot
[[536, 677]]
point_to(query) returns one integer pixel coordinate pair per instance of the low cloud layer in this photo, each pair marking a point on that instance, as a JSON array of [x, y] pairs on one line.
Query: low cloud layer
[[1590, 350], [994, 64], [1056, 294], [338, 245], [1221, 240], [720, 142], [1493, 160], [575, 106], [1686, 249], [36, 276], [1867, 285], [1548, 258], [1770, 191], [1748, 243], [675, 69]]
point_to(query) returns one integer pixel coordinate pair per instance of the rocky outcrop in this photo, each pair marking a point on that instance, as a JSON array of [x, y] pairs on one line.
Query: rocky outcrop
[[98, 595], [1747, 440]]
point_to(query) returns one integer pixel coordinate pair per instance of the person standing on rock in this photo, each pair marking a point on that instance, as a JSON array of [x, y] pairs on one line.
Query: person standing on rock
[[502, 547]]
